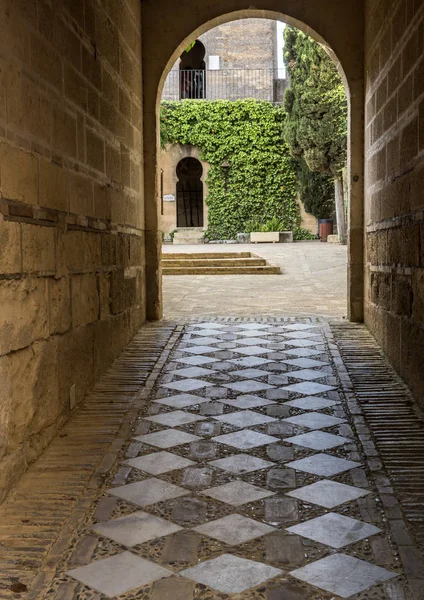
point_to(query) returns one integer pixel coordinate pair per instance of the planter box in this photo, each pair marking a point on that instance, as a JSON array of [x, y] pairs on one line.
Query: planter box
[[257, 237]]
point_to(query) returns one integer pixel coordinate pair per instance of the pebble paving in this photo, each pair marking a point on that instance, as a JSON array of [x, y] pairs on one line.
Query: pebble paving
[[247, 482]]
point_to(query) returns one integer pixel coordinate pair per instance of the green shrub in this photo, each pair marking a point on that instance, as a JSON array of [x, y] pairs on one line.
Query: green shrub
[[261, 181]]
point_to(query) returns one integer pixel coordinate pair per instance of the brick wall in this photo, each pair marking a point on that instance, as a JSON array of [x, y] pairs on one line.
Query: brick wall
[[394, 217], [71, 218]]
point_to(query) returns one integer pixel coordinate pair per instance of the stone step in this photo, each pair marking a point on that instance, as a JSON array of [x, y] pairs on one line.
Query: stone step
[[213, 262], [193, 255], [234, 270], [187, 241], [188, 235]]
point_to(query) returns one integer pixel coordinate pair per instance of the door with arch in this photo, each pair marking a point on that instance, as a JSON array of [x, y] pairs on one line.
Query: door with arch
[[189, 193]]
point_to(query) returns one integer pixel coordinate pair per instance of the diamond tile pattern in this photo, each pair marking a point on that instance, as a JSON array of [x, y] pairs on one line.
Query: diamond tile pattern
[[328, 493], [306, 374], [137, 528], [159, 462], [118, 574], [175, 418], [181, 400], [149, 491], [342, 575], [324, 465], [317, 440], [261, 372], [186, 385], [231, 574], [167, 438], [237, 493], [314, 420], [248, 401], [241, 463], [248, 385], [245, 439], [334, 530], [245, 418], [193, 372], [311, 403], [308, 387], [234, 529]]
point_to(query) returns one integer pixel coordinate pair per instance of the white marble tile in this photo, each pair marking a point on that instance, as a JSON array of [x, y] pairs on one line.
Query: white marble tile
[[342, 575], [231, 574], [328, 493], [245, 418], [167, 438], [324, 465], [136, 528], [234, 529], [159, 462], [175, 418], [241, 463], [118, 574], [245, 439], [237, 493], [317, 440], [315, 420]]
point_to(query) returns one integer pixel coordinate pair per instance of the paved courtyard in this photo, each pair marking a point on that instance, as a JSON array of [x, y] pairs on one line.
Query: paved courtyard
[[312, 282]]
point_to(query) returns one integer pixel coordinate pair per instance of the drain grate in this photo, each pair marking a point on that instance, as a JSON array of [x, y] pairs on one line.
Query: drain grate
[[392, 416]]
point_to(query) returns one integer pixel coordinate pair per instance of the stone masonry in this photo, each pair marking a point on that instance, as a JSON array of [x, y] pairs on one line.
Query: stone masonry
[[394, 200], [71, 220]]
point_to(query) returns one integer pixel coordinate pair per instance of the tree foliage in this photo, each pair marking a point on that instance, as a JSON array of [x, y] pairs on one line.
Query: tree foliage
[[316, 105], [261, 180], [316, 191]]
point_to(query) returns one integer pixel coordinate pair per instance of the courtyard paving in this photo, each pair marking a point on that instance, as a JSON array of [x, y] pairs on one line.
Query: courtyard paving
[[245, 479], [312, 282]]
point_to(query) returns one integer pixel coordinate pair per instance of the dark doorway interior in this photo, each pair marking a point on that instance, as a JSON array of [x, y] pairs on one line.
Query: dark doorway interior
[[189, 193], [192, 73]]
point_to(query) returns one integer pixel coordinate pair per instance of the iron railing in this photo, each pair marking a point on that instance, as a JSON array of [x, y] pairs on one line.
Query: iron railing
[[225, 84]]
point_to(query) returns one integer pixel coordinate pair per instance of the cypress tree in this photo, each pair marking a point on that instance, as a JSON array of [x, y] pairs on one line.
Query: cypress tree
[[316, 107]]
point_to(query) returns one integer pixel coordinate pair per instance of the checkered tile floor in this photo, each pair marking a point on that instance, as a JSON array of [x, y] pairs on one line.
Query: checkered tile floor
[[248, 479]]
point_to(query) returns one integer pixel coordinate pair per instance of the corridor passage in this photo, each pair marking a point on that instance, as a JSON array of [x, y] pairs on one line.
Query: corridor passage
[[249, 473]]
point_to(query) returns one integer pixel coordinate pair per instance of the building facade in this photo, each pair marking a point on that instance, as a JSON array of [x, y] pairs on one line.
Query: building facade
[[236, 60]]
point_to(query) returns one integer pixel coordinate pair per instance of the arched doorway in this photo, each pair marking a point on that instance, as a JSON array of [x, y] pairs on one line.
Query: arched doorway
[[189, 193], [192, 72], [341, 32]]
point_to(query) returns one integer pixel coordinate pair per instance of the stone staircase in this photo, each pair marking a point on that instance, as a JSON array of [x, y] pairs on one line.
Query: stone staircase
[[216, 263], [188, 235]]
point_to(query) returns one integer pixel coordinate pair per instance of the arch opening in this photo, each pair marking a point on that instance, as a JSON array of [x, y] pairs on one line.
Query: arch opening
[[189, 193], [349, 60]]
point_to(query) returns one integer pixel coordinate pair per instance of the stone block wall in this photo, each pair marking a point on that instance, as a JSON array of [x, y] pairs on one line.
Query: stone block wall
[[71, 217], [394, 204]]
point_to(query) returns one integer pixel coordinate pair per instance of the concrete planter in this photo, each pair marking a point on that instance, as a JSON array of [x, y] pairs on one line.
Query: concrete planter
[[257, 237]]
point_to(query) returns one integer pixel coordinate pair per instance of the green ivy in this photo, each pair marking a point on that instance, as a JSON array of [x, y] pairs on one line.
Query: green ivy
[[261, 180]]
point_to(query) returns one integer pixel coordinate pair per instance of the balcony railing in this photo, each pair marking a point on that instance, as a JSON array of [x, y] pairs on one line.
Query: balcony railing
[[226, 84]]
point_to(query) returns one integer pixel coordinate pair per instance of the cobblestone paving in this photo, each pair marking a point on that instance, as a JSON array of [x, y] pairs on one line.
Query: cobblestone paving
[[245, 479]]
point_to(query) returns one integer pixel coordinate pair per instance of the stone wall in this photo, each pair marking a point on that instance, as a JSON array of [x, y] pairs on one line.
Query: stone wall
[[71, 218], [394, 205]]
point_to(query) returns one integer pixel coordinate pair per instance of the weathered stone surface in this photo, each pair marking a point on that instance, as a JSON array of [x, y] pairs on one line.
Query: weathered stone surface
[[173, 589], [188, 510], [202, 450], [59, 305], [19, 178], [211, 408], [277, 452], [53, 191], [181, 547], [23, 313], [38, 249], [280, 510], [197, 477], [207, 428], [85, 299], [278, 479], [10, 244], [286, 549]]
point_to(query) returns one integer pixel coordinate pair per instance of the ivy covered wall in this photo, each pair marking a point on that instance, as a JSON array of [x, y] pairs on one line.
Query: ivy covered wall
[[261, 181]]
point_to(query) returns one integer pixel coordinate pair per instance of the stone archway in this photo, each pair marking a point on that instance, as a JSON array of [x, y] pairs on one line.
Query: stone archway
[[338, 28]]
